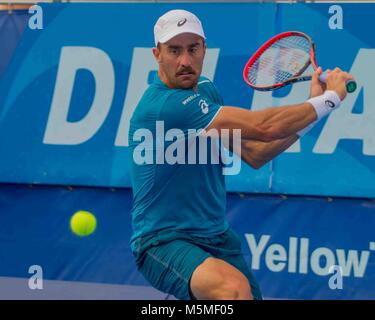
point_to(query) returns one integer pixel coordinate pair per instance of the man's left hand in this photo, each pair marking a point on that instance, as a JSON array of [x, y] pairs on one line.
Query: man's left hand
[[317, 87]]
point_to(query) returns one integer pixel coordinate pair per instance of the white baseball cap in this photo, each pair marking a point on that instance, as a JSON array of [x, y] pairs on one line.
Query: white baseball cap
[[175, 22]]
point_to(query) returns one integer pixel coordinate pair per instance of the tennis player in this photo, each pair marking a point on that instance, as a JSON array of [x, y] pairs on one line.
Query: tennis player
[[181, 242]]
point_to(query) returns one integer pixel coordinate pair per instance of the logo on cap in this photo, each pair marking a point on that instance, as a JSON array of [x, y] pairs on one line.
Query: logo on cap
[[330, 104], [181, 22]]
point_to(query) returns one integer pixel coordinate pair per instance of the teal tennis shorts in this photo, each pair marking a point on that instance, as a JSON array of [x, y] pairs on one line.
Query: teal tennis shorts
[[168, 259]]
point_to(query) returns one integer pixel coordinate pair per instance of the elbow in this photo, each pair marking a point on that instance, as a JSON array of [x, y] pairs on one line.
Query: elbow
[[256, 161], [257, 164]]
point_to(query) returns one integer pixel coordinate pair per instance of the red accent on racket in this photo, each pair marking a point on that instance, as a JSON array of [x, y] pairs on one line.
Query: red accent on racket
[[282, 60]]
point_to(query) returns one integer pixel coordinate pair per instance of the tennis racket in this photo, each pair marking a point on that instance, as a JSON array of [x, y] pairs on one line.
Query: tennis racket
[[282, 60]]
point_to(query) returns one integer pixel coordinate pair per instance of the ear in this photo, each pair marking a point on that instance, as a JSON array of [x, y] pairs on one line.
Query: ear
[[156, 53], [204, 47]]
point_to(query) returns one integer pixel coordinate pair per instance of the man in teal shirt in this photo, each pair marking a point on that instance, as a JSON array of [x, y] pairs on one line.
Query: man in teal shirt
[[182, 242], [159, 197]]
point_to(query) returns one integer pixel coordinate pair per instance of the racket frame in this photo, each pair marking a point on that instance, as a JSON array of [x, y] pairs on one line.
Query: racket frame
[[297, 77]]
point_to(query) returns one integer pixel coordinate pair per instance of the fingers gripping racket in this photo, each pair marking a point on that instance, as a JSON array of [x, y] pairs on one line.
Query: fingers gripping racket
[[282, 60]]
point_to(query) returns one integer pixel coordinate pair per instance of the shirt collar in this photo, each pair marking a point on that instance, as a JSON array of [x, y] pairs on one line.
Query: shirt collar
[[158, 82]]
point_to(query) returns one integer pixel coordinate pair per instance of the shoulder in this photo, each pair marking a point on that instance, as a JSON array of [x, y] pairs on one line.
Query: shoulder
[[204, 81], [153, 99], [208, 88]]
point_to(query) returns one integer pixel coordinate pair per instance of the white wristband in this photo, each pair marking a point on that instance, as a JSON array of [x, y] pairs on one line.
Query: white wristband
[[305, 130], [325, 103]]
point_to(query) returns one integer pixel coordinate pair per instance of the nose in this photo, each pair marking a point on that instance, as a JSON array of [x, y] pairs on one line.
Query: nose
[[185, 60]]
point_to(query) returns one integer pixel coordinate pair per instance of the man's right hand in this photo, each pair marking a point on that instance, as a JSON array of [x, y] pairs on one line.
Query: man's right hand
[[336, 81]]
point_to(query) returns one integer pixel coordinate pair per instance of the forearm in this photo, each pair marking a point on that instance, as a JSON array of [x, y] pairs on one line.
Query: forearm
[[275, 123], [287, 120], [268, 124]]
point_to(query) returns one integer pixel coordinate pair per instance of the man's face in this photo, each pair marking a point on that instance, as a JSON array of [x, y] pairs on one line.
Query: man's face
[[180, 60]]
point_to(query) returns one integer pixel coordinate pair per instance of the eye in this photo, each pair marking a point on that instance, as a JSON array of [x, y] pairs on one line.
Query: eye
[[174, 51], [193, 49]]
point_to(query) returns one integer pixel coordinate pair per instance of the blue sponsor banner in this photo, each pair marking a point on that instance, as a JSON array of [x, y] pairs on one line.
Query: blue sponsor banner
[[290, 243], [70, 89], [308, 248], [12, 25]]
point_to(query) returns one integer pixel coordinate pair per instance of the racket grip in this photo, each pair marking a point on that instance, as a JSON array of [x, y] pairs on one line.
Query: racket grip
[[351, 85]]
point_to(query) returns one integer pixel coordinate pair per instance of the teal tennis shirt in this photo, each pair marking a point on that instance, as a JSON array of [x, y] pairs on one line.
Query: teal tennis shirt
[[177, 184]]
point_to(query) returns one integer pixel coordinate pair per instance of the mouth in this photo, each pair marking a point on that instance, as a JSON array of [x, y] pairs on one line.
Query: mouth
[[185, 74]]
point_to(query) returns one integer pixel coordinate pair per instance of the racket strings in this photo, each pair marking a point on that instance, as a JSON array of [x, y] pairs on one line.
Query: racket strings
[[284, 59]]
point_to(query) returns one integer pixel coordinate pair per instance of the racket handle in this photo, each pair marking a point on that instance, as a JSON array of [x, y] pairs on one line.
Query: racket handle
[[351, 85]]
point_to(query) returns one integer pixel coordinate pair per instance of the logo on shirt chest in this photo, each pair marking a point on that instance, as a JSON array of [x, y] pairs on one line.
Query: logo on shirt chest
[[203, 105], [188, 99]]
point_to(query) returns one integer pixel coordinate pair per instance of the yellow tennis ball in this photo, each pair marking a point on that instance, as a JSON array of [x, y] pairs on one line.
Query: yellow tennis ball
[[83, 223]]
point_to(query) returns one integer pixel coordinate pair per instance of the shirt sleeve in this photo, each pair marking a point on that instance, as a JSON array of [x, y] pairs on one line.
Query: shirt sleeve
[[186, 109]]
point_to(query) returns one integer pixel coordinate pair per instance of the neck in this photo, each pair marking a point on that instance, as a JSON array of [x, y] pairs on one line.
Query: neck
[[164, 79]]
